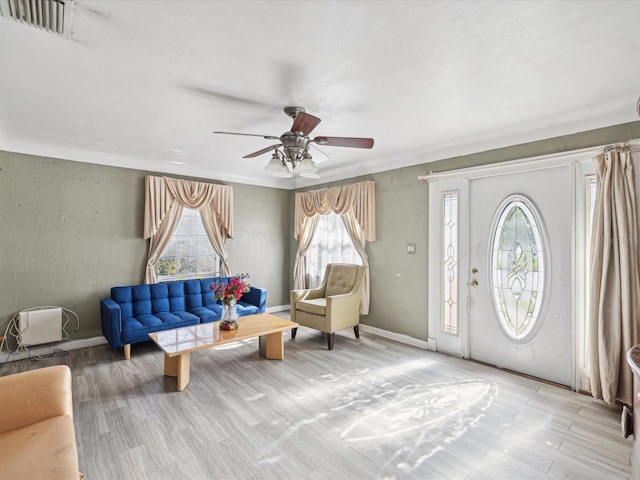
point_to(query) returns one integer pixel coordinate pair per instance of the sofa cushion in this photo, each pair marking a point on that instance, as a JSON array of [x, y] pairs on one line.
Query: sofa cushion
[[159, 298], [210, 313], [317, 306], [45, 450], [141, 300], [193, 294], [136, 329], [207, 294], [245, 308], [123, 296]]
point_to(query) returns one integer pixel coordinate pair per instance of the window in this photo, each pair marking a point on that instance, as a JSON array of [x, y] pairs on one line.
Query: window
[[450, 256], [590, 201], [331, 244], [517, 262], [189, 253], [590, 206]]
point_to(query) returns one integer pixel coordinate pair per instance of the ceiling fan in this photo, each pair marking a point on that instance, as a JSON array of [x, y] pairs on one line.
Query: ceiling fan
[[291, 155]]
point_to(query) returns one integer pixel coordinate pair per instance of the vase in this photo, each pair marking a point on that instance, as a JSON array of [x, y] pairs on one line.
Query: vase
[[229, 319]]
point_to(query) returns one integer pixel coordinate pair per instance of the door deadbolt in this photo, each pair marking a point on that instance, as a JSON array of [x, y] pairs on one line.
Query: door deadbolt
[[474, 270]]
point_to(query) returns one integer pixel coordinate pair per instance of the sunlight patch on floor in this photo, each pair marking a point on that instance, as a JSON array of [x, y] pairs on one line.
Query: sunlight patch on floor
[[379, 410], [418, 421]]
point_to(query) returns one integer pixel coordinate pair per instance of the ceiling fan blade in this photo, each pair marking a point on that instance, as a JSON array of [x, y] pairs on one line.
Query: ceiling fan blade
[[305, 123], [321, 156], [230, 98], [260, 152], [352, 142], [268, 137]]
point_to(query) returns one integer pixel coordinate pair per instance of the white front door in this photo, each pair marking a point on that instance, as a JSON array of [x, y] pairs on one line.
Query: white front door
[[520, 268]]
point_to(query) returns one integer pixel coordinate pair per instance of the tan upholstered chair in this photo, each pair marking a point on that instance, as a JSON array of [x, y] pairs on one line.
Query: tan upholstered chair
[[334, 305], [37, 435]]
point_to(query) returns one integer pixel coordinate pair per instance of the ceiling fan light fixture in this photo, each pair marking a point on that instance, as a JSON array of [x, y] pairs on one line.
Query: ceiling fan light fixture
[[307, 168], [274, 164], [276, 167], [306, 164]]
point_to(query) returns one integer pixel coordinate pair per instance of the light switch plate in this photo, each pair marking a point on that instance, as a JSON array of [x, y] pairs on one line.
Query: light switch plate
[[411, 248]]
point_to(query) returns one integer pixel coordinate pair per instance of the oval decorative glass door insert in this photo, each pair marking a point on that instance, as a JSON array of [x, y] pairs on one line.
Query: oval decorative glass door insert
[[517, 265]]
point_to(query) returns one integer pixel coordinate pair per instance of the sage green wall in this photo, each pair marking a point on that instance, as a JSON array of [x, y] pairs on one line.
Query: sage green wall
[[260, 245], [399, 290], [70, 231]]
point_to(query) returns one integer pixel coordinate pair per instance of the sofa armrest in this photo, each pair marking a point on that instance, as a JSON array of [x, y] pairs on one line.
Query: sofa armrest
[[256, 296], [111, 318], [33, 396]]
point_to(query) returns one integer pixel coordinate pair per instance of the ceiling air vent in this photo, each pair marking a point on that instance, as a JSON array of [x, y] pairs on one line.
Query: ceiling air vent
[[51, 15]]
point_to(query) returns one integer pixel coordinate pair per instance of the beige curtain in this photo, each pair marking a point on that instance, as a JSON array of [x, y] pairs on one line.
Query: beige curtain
[[217, 238], [357, 237], [162, 194], [612, 327], [360, 198], [304, 242], [159, 241], [356, 203]]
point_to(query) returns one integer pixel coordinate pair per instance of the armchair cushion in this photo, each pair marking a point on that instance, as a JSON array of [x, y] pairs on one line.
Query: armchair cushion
[[341, 279], [317, 306]]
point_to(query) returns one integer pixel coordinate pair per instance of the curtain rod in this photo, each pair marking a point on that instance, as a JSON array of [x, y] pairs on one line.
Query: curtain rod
[[633, 145], [616, 146]]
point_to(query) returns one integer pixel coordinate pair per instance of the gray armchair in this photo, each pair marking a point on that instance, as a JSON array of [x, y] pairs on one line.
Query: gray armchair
[[334, 305]]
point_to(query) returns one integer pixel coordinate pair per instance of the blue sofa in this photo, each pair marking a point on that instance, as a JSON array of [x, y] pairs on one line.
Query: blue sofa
[[134, 311]]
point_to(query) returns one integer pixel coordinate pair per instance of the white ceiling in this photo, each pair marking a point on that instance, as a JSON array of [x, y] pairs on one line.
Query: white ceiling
[[143, 84]]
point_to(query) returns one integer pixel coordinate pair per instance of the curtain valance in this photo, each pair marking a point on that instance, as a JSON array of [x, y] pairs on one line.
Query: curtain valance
[[359, 198], [162, 192]]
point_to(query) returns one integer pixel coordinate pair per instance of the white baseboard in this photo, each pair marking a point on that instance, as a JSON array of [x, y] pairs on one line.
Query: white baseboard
[[277, 308], [100, 340], [47, 349], [430, 344], [398, 337]]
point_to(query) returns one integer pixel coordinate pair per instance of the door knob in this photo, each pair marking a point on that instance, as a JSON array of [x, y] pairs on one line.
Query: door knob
[[474, 283]]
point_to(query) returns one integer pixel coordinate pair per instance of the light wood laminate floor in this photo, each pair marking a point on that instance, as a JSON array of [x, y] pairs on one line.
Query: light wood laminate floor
[[369, 409]]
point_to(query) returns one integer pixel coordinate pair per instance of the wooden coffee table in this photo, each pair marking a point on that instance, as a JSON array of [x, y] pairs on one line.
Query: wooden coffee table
[[177, 344]]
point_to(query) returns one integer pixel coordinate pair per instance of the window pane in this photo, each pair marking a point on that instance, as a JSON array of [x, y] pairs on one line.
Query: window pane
[[518, 270], [590, 200], [203, 246], [189, 252], [450, 247], [205, 264], [331, 244]]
